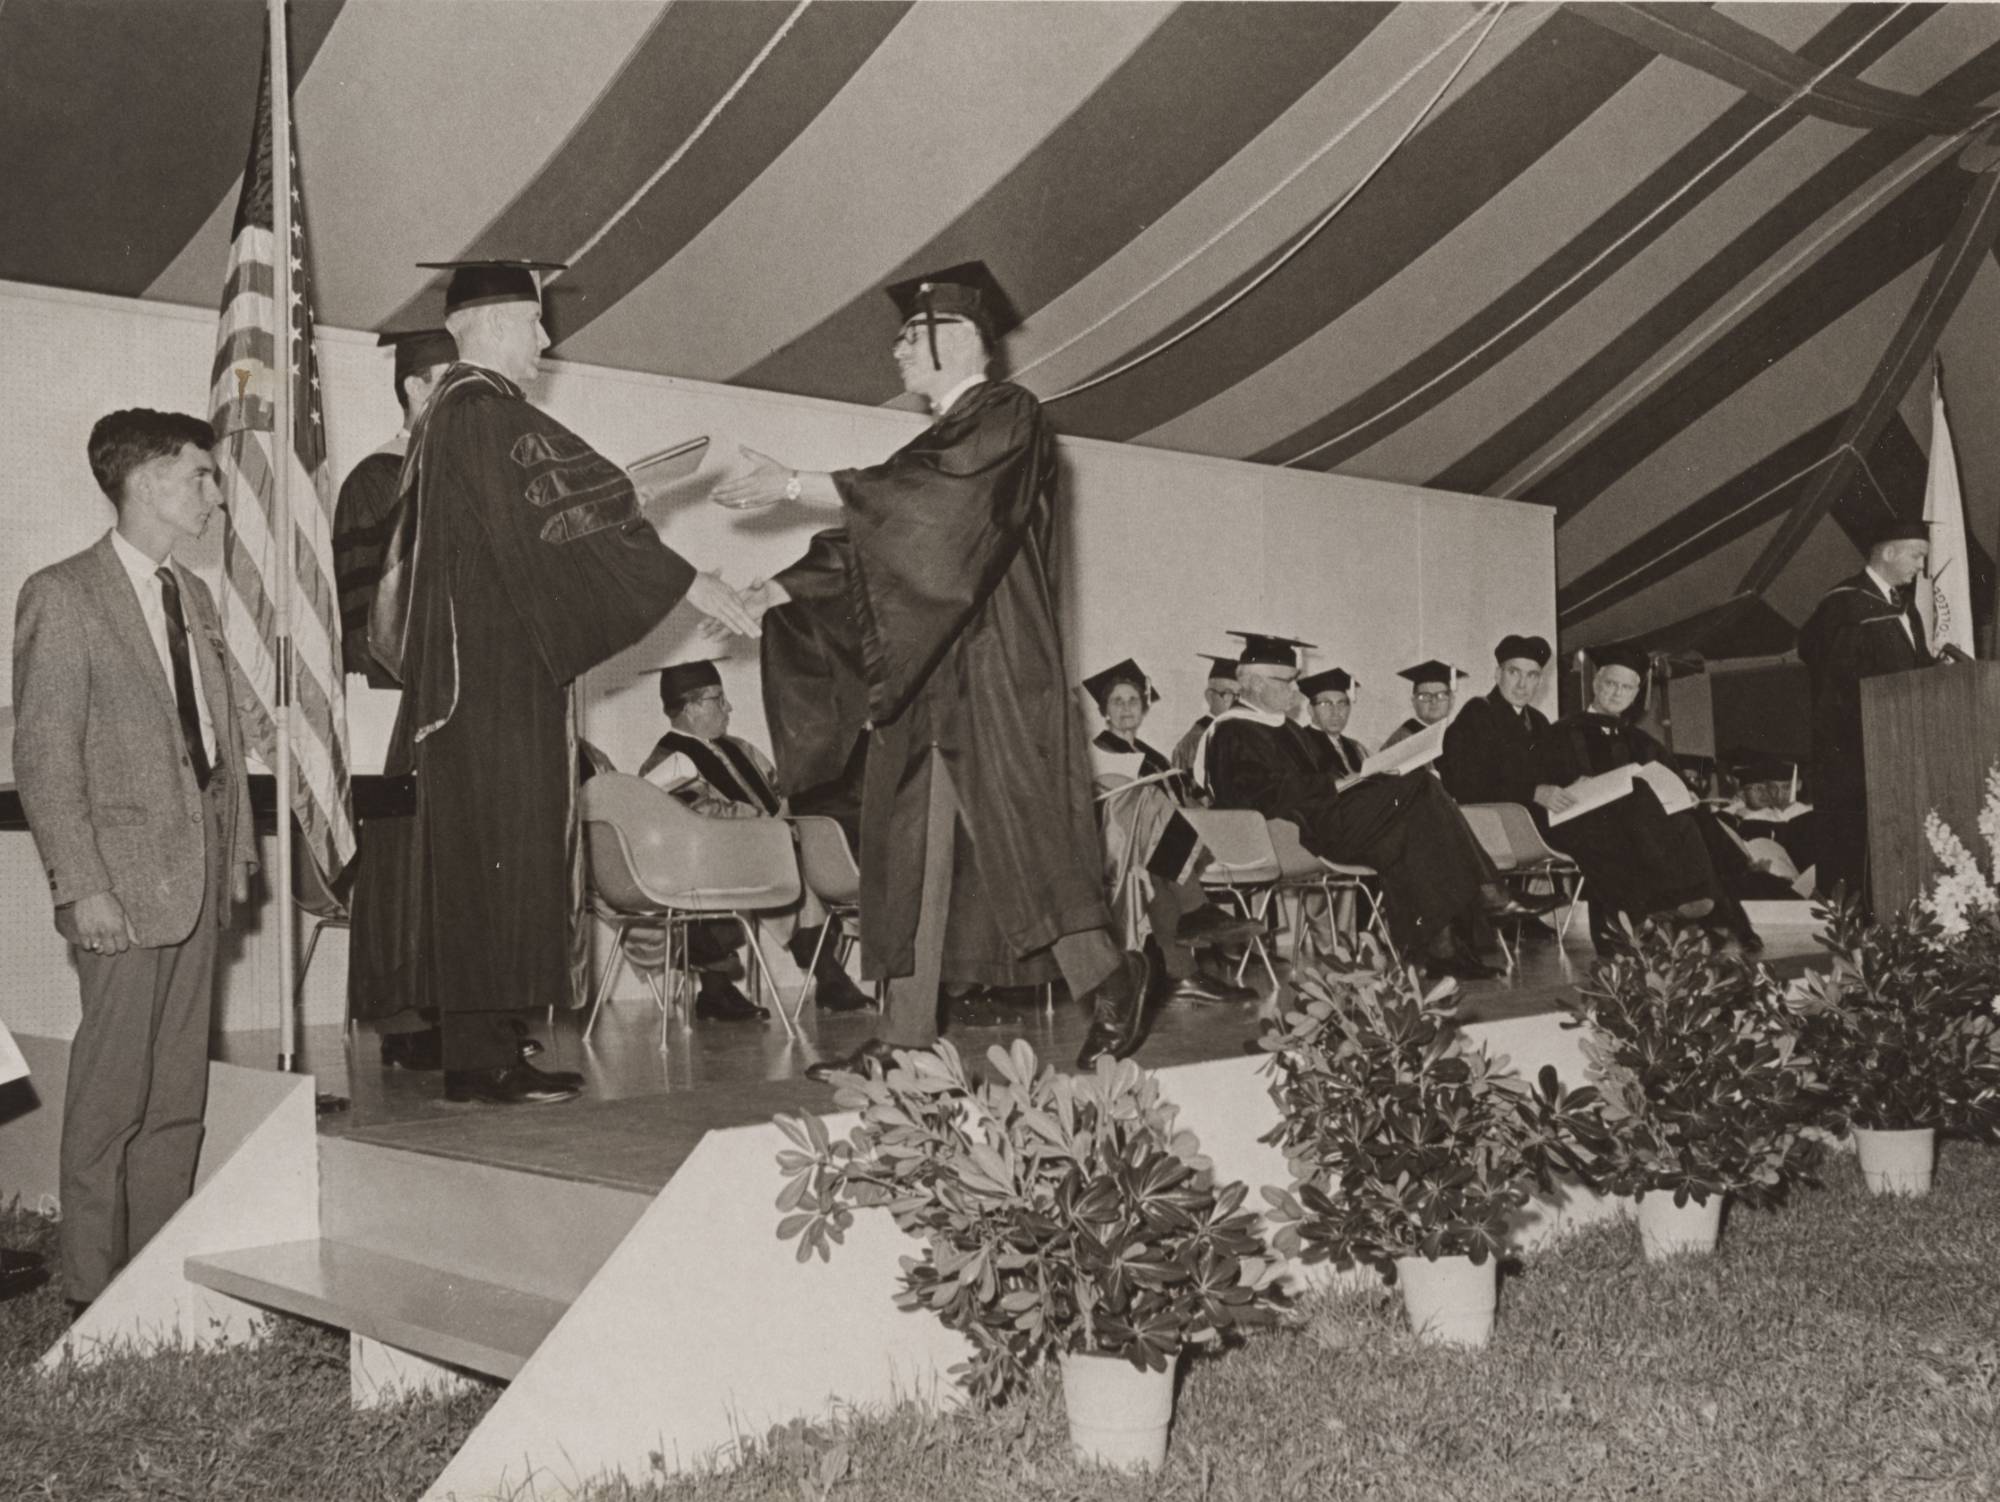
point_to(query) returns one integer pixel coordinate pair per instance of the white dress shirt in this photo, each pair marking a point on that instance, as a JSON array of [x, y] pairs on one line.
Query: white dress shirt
[[144, 574], [956, 392]]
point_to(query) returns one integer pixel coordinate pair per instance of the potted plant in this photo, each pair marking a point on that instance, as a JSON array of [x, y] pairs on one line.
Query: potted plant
[[1904, 1030], [1707, 1093], [1060, 1216], [1410, 1146]]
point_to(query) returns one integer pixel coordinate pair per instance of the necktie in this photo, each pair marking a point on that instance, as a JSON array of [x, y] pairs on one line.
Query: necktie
[[177, 650]]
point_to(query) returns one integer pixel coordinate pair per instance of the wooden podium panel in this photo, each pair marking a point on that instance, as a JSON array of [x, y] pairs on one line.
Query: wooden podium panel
[[1928, 738]]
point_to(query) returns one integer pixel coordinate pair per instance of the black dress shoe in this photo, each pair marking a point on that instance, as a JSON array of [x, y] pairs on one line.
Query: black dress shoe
[[720, 1001], [1209, 990], [872, 1057], [75, 1309], [511, 1085], [1526, 907], [20, 1272], [835, 992], [1116, 1009], [421, 1051], [528, 1045]]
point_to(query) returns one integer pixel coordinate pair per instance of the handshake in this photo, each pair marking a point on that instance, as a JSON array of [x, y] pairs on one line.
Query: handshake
[[733, 612]]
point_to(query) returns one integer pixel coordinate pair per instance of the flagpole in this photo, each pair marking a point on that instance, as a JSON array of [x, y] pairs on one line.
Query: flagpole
[[279, 576]]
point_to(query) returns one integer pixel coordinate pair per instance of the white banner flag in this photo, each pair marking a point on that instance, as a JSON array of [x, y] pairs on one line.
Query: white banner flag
[[1946, 605]]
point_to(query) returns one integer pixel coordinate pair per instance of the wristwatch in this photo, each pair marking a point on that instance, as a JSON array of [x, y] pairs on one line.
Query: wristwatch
[[792, 487]]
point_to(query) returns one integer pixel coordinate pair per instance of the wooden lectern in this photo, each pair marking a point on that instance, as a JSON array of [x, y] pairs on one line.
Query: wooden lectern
[[1928, 738]]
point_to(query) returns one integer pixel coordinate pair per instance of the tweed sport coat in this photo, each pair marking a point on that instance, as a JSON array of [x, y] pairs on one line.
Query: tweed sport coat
[[103, 772]]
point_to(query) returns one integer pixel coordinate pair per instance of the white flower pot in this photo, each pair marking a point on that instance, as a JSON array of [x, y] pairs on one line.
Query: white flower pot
[[1449, 1301], [1897, 1162], [1670, 1230], [1118, 1413]]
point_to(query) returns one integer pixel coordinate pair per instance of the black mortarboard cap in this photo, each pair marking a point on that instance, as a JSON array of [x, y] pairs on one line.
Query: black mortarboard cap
[[1332, 680], [1273, 651], [1099, 685], [1432, 671], [474, 283], [1762, 767], [419, 349], [684, 679], [1220, 667], [1621, 655], [1513, 645], [1898, 529], [966, 291]]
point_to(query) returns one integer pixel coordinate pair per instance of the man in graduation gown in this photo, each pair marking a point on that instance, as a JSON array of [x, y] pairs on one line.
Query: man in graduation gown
[[1330, 701], [723, 776], [1433, 873], [1864, 626], [1432, 690], [1219, 693], [531, 564], [1637, 858], [370, 496], [1490, 749], [930, 616]]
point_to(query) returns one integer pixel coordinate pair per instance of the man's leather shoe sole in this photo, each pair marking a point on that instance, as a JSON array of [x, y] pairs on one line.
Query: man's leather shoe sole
[[872, 1057], [511, 1085]]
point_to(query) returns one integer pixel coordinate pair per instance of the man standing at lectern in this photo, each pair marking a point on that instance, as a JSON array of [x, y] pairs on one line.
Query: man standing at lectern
[[930, 616], [130, 762], [1864, 626]]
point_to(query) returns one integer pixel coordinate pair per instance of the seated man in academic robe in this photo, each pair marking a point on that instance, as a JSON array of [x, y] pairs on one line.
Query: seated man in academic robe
[[1637, 859], [1219, 693], [1780, 834], [1433, 690], [1433, 873], [722, 776], [1152, 855], [1330, 701], [1490, 749]]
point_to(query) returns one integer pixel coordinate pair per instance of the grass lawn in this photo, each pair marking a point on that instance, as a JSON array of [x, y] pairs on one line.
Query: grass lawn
[[263, 1423], [1842, 1348]]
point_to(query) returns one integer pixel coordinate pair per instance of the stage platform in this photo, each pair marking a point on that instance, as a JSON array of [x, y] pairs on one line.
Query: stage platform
[[613, 1260], [645, 1108]]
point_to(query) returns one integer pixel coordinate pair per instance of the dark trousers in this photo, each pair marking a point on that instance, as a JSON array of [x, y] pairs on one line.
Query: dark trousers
[[138, 1080], [911, 1019]]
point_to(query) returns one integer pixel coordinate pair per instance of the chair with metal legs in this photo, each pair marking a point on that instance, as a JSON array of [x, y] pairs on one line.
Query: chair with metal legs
[[829, 871], [1508, 834], [656, 863], [1244, 866], [1304, 876]]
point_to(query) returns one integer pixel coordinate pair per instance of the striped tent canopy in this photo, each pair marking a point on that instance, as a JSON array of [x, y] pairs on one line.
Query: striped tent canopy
[[1677, 271]]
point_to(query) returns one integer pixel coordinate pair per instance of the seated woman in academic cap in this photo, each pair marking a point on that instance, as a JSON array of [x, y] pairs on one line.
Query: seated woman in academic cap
[[1152, 855], [1637, 859]]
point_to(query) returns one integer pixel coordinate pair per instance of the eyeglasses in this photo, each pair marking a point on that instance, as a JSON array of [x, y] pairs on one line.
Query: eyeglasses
[[718, 697], [1434, 696]]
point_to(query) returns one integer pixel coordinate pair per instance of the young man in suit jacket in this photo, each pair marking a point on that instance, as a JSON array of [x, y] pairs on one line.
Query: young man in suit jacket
[[130, 764]]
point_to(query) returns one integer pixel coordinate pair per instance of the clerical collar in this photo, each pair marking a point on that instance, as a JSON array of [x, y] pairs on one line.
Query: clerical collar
[[955, 393], [1241, 711]]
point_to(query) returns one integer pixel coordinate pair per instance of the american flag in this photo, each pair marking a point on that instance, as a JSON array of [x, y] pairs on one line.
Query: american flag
[[241, 400]]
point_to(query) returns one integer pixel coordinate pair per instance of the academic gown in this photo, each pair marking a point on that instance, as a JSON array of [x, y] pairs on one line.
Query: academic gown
[[1490, 750], [1636, 857], [1344, 753], [1405, 827], [1855, 632], [363, 519], [532, 564], [931, 616]]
